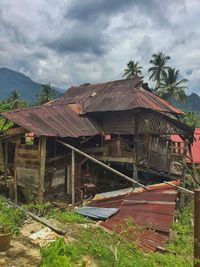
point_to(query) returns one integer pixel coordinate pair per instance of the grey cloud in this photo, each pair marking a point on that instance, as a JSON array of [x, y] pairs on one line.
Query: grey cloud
[[79, 39], [72, 42]]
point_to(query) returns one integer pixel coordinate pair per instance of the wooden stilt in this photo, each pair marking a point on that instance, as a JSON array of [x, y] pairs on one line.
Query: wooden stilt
[[6, 160], [73, 178], [42, 151], [196, 228]]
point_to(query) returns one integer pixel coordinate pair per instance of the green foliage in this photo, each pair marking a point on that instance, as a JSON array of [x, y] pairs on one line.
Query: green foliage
[[38, 209], [55, 255], [171, 87], [16, 101], [117, 249], [69, 217], [183, 228], [158, 63], [47, 94], [10, 218], [191, 118], [133, 70]]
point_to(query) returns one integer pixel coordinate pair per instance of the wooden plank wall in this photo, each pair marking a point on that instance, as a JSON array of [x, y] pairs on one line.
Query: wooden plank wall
[[58, 183], [1, 158], [118, 122], [27, 162]]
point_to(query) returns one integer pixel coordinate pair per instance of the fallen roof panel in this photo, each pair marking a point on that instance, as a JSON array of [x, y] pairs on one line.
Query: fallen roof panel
[[97, 213], [151, 211]]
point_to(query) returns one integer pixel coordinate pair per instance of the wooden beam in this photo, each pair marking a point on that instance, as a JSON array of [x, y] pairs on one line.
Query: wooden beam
[[73, 178], [180, 188], [6, 160], [115, 159], [196, 228], [95, 149], [42, 153], [102, 164]]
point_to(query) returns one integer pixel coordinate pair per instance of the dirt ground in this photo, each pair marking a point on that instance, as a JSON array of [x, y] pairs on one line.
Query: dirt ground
[[23, 252], [20, 254]]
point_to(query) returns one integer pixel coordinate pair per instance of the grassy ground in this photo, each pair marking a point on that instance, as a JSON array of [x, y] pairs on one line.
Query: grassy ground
[[85, 244], [92, 246]]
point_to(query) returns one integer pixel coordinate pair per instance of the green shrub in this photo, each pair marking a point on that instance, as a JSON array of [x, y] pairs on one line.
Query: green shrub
[[10, 218]]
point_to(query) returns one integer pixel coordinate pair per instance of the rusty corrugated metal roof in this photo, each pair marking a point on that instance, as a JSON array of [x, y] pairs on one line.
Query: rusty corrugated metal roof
[[152, 211], [52, 120], [124, 94]]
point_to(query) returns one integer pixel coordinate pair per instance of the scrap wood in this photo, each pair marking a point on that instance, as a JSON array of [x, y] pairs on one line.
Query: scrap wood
[[37, 218]]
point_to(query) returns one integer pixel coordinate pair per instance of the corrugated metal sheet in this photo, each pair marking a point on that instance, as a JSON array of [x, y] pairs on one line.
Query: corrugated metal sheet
[[151, 211], [195, 146], [52, 120], [97, 213], [117, 95]]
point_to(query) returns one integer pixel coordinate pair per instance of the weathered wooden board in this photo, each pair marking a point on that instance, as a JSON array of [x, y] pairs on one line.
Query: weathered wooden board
[[1, 158], [27, 164]]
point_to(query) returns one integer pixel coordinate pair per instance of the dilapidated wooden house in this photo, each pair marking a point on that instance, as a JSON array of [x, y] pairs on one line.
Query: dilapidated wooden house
[[118, 123]]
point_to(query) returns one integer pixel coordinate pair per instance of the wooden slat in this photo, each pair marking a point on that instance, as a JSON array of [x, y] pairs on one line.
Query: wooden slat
[[42, 149]]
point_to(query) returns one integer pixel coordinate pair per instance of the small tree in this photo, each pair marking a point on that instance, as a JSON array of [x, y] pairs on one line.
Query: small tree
[[47, 94]]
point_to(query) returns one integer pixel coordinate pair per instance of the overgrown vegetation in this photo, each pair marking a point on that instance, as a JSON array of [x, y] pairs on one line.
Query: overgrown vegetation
[[10, 218], [95, 246], [69, 217]]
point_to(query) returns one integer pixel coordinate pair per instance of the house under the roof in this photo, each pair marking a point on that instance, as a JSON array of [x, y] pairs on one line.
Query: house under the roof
[[119, 123]]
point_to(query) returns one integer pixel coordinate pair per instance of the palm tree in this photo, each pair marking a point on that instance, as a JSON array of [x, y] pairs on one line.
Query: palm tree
[[133, 70], [47, 94], [171, 87], [15, 101], [158, 61]]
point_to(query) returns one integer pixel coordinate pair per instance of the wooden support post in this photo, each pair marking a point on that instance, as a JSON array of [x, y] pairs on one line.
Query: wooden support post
[[73, 178], [102, 164], [197, 227], [42, 152], [15, 174], [6, 160], [135, 140]]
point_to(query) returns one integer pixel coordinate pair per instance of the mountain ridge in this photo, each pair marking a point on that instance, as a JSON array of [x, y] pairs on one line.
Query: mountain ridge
[[27, 88]]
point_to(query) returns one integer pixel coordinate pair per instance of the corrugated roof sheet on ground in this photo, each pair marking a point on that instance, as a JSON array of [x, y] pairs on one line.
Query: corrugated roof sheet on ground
[[97, 213], [152, 211]]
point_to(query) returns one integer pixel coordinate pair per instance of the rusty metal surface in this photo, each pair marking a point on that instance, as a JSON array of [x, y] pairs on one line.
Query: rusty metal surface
[[118, 95], [52, 120], [151, 211]]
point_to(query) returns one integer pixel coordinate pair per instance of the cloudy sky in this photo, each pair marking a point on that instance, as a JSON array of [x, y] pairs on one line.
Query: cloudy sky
[[68, 42]]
